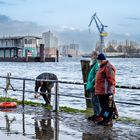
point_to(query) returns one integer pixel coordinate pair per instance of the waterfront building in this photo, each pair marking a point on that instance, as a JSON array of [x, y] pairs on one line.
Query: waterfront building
[[17, 46]]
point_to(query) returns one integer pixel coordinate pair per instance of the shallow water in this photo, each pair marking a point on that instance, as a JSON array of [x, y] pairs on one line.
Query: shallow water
[[38, 123], [69, 69]]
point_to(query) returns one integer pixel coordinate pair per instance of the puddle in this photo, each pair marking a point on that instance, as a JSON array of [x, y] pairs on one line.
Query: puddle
[[38, 123]]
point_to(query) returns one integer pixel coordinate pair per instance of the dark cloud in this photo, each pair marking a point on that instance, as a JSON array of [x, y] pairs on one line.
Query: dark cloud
[[124, 24], [133, 18], [4, 18], [6, 3], [9, 26], [3, 3]]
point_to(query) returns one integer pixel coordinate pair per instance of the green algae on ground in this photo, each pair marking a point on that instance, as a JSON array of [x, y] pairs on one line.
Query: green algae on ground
[[129, 120], [71, 110], [2, 99], [63, 108], [30, 103], [88, 112]]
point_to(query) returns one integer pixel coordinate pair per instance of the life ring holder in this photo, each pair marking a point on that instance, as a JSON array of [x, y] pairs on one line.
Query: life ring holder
[[7, 104]]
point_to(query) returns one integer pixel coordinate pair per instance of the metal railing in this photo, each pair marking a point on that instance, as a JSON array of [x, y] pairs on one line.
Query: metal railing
[[56, 94]]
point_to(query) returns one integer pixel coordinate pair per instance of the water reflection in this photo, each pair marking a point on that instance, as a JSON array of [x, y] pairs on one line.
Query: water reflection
[[45, 126], [42, 127], [88, 136], [8, 123]]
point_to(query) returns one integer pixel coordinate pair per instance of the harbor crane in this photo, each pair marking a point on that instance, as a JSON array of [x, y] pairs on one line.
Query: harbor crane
[[101, 30]]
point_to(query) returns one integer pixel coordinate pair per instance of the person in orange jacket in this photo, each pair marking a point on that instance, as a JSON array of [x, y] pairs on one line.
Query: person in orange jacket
[[105, 89]]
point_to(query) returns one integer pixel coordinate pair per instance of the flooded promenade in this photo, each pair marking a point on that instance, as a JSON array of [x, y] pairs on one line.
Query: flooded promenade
[[38, 123]]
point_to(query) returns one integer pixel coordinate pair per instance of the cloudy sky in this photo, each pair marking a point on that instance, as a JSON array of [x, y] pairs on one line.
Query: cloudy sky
[[35, 16]]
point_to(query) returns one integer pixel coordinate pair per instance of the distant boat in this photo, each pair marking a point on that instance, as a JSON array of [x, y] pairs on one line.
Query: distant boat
[[69, 55], [86, 55]]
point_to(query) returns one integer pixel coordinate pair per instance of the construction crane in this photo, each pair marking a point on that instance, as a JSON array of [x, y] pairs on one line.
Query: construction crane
[[101, 30]]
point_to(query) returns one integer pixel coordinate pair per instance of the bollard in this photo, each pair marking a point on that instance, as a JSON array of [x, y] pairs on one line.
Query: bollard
[[85, 70], [23, 95], [57, 56], [26, 55], [42, 53]]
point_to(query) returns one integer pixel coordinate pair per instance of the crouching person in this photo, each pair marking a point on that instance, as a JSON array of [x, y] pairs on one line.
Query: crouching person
[[45, 86], [105, 89]]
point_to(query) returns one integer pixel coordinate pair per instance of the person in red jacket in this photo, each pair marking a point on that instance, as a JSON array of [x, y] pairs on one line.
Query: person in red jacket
[[105, 89]]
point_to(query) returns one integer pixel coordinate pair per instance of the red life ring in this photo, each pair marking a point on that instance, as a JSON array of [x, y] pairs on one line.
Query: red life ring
[[8, 104]]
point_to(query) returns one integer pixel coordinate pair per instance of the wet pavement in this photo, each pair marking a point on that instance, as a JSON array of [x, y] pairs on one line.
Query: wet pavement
[[39, 123]]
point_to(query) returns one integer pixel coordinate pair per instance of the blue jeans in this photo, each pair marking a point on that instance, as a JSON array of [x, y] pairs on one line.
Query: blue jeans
[[95, 103]]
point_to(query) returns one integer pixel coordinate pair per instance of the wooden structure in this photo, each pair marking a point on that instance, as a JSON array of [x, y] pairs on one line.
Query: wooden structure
[[85, 65]]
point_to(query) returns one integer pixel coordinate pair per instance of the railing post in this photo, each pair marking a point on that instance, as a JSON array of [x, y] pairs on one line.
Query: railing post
[[56, 98], [23, 95], [56, 127], [23, 123], [42, 53], [57, 56], [26, 56]]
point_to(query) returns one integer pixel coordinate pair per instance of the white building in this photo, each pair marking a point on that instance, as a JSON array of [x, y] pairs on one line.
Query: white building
[[49, 40]]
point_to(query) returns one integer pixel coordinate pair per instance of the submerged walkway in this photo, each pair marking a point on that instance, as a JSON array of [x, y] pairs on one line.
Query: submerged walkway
[[39, 123]]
